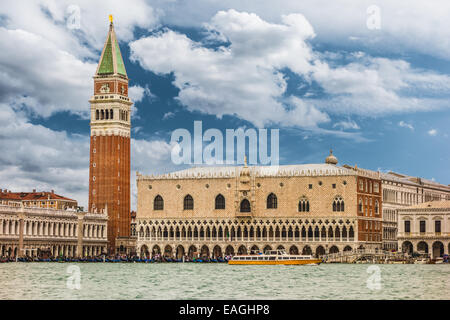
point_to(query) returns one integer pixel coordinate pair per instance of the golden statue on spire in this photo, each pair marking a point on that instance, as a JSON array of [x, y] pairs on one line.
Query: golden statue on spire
[[111, 18]]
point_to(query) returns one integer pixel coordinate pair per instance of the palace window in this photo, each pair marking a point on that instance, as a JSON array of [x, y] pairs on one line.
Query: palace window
[[338, 204], [303, 205], [272, 201], [245, 206], [376, 206], [158, 203], [188, 203], [437, 226], [111, 114], [220, 202], [97, 115], [361, 185], [422, 226], [407, 226], [360, 205]]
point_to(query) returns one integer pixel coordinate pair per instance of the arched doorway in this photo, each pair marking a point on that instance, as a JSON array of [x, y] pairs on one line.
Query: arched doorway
[[180, 252], [144, 251], [422, 247], [407, 247], [192, 251], [334, 249], [307, 251], [438, 249], [293, 250], [204, 252], [156, 250], [280, 247], [267, 248], [320, 251], [168, 251], [217, 252], [229, 250], [242, 250], [254, 249], [347, 248]]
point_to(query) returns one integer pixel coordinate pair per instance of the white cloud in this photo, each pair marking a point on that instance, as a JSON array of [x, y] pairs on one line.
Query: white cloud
[[137, 93], [168, 115], [432, 132], [45, 79], [379, 86], [406, 125], [341, 22], [350, 124], [36, 157], [48, 67], [244, 78]]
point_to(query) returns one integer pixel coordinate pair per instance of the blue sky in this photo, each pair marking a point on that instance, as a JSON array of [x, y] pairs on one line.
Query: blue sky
[[315, 71]]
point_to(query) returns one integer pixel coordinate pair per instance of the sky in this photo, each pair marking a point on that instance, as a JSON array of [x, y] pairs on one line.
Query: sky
[[368, 79]]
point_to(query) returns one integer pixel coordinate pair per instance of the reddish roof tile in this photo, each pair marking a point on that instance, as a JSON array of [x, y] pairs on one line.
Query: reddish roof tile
[[32, 196]]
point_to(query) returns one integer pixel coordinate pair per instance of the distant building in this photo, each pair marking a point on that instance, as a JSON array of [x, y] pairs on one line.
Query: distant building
[[216, 211], [45, 232], [425, 228], [42, 199], [401, 191]]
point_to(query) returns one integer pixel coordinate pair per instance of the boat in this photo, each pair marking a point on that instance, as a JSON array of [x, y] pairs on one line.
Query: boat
[[422, 261], [438, 260], [274, 257]]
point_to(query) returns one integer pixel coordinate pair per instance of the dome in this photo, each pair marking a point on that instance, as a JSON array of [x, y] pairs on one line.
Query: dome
[[331, 159]]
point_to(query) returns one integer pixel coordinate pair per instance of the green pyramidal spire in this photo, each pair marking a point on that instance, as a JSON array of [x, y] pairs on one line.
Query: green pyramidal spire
[[111, 61]]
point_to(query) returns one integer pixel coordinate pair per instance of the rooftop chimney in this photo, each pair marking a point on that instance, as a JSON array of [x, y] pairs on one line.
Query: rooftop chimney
[[34, 190]]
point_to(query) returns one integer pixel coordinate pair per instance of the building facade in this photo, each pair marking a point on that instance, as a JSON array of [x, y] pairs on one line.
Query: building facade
[[216, 211], [425, 228], [43, 199], [37, 232], [109, 167], [402, 191]]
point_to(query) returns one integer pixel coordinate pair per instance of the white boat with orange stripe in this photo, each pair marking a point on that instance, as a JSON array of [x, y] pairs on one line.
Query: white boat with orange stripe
[[273, 257]]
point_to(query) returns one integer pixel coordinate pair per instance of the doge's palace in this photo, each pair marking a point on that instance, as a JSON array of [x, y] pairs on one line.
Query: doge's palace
[[216, 211]]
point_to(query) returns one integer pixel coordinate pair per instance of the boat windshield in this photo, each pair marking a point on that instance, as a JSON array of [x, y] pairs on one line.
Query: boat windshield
[[275, 252]]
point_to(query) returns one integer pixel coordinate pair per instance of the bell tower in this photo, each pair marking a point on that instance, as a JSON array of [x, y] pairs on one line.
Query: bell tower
[[109, 167]]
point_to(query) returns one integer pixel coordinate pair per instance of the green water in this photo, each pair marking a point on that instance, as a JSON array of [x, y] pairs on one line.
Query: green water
[[222, 281]]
